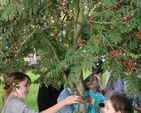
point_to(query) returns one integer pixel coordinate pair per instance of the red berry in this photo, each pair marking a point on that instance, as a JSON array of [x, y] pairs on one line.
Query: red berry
[[80, 45], [15, 53], [50, 3]]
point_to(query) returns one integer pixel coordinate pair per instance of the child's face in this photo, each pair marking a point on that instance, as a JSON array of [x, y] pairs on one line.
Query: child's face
[[92, 83], [23, 89], [109, 108]]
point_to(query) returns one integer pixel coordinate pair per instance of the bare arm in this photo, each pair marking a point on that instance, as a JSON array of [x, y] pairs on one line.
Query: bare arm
[[67, 101], [137, 108]]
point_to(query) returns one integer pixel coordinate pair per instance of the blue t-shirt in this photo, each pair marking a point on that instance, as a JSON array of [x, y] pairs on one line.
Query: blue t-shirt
[[96, 99]]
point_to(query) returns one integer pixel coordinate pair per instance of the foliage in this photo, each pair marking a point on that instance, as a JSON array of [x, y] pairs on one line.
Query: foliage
[[68, 35]]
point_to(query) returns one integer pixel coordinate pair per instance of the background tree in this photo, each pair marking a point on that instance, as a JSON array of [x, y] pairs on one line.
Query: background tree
[[68, 34]]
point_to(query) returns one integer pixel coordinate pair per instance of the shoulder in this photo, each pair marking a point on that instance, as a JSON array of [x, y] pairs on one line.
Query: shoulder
[[14, 104], [101, 96], [86, 91]]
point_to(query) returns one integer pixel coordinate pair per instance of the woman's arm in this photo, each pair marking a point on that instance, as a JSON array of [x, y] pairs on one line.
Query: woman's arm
[[67, 101], [137, 108]]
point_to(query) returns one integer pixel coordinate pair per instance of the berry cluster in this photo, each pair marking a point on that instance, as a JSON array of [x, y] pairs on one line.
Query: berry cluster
[[130, 65], [115, 52], [80, 42]]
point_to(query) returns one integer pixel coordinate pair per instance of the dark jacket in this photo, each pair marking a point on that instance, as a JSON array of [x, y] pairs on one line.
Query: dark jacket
[[47, 97]]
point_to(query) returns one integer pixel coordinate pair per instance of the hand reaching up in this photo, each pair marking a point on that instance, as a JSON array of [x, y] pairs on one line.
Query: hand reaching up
[[67, 101], [72, 99]]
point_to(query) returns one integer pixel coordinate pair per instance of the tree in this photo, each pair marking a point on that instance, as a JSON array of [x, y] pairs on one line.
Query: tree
[[68, 34]]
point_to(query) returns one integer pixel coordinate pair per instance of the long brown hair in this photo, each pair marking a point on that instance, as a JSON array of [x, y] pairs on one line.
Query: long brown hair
[[10, 82]]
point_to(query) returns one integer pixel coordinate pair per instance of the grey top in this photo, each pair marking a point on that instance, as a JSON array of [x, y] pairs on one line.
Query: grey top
[[16, 105], [114, 85]]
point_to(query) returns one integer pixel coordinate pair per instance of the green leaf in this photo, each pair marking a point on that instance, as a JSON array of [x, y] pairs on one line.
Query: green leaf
[[94, 49], [115, 37], [110, 2], [100, 27], [4, 2], [73, 78]]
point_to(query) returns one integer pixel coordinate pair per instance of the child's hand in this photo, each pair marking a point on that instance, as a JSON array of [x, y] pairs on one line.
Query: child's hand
[[98, 108], [88, 99], [90, 106]]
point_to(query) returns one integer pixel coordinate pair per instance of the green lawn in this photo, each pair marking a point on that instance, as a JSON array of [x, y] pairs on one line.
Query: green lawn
[[1, 92], [31, 100]]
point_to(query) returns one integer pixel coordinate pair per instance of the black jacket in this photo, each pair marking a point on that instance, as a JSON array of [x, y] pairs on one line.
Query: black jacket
[[47, 97]]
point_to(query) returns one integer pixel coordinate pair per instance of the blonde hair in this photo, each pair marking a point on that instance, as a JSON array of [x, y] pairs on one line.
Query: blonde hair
[[98, 82], [96, 78]]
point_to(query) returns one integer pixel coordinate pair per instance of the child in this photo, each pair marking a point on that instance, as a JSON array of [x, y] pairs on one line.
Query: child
[[16, 87], [118, 103], [94, 92]]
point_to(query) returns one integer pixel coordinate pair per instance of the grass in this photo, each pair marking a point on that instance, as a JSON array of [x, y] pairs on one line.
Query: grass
[[31, 100], [1, 92]]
